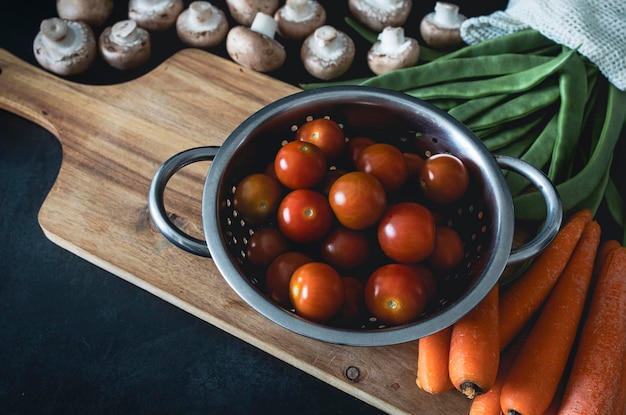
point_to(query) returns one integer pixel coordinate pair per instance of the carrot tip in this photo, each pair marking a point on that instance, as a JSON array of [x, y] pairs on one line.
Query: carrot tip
[[512, 412], [470, 390]]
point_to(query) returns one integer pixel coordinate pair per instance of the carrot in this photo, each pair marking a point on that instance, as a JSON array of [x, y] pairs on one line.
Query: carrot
[[432, 362], [619, 408], [549, 343], [475, 348], [591, 388], [525, 296], [603, 253]]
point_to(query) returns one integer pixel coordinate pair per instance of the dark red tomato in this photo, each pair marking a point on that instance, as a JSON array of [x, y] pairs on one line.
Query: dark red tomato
[[358, 200], [279, 273], [316, 291], [326, 134], [329, 179], [304, 216], [353, 311], [406, 232], [413, 163], [300, 165], [386, 163], [345, 248], [257, 198], [443, 178], [449, 249], [355, 146], [429, 280], [395, 293], [265, 245]]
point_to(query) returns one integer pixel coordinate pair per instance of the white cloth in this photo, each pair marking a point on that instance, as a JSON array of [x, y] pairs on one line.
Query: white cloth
[[597, 26]]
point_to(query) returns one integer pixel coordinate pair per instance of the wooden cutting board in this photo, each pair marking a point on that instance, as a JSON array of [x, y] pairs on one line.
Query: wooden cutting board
[[114, 138]]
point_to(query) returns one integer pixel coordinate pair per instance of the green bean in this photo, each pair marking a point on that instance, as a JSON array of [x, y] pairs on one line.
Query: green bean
[[505, 84], [485, 132], [439, 71], [530, 206], [367, 34], [518, 107], [315, 85], [523, 41], [615, 203], [472, 107], [509, 135], [597, 194], [573, 91], [447, 104], [518, 147]]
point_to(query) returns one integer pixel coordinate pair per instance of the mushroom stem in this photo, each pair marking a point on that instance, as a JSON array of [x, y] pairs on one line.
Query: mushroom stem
[[54, 29], [202, 15], [447, 15], [325, 43], [125, 32], [297, 9], [264, 24], [392, 41]]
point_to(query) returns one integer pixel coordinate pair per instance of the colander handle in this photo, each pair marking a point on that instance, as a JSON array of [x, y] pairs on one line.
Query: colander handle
[[156, 204], [554, 208]]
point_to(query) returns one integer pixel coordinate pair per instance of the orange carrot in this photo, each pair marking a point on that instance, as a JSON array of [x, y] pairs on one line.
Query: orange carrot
[[475, 348], [603, 253], [619, 408], [549, 343], [592, 387], [432, 362], [525, 296]]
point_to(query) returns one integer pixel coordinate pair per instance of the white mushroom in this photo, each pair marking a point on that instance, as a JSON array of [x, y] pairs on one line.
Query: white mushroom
[[155, 14], [202, 25], [442, 28], [254, 47], [392, 51], [65, 47], [327, 53], [378, 14], [297, 19], [92, 12], [125, 45], [244, 11]]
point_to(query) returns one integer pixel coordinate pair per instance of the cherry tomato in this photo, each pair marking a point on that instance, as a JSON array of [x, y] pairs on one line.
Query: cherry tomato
[[443, 178], [316, 291], [326, 134], [265, 245], [345, 248], [329, 179], [395, 293], [353, 311], [355, 146], [386, 163], [406, 232], [300, 165], [358, 200], [429, 280], [304, 216], [413, 163], [449, 249], [257, 197], [279, 273]]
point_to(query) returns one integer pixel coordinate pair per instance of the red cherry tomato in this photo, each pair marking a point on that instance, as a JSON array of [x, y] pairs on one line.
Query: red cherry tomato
[[395, 293], [429, 280], [329, 179], [300, 165], [443, 178], [358, 200], [279, 273], [386, 163], [326, 134], [353, 311], [345, 248], [406, 232], [265, 245], [304, 216], [355, 146], [413, 163], [316, 291], [257, 197], [449, 249]]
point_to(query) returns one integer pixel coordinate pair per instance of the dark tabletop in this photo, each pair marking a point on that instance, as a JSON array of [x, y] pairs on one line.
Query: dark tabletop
[[77, 339]]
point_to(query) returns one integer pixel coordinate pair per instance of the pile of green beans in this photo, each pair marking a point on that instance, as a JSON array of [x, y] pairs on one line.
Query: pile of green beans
[[525, 96]]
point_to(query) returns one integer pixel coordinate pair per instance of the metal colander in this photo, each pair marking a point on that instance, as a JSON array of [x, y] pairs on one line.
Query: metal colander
[[484, 217]]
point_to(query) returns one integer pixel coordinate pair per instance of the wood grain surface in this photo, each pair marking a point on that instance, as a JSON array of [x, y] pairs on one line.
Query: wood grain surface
[[114, 138]]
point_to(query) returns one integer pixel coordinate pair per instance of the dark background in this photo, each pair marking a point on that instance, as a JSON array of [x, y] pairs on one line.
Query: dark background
[[76, 339]]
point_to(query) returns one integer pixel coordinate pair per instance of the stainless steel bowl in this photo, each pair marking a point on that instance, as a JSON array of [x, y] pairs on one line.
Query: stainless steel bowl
[[484, 218]]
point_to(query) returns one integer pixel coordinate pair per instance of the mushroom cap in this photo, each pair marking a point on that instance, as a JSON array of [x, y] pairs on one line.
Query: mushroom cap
[[254, 50], [291, 26], [202, 25], [125, 45], [155, 14], [244, 11], [91, 12], [323, 63], [381, 62], [377, 17], [65, 47]]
